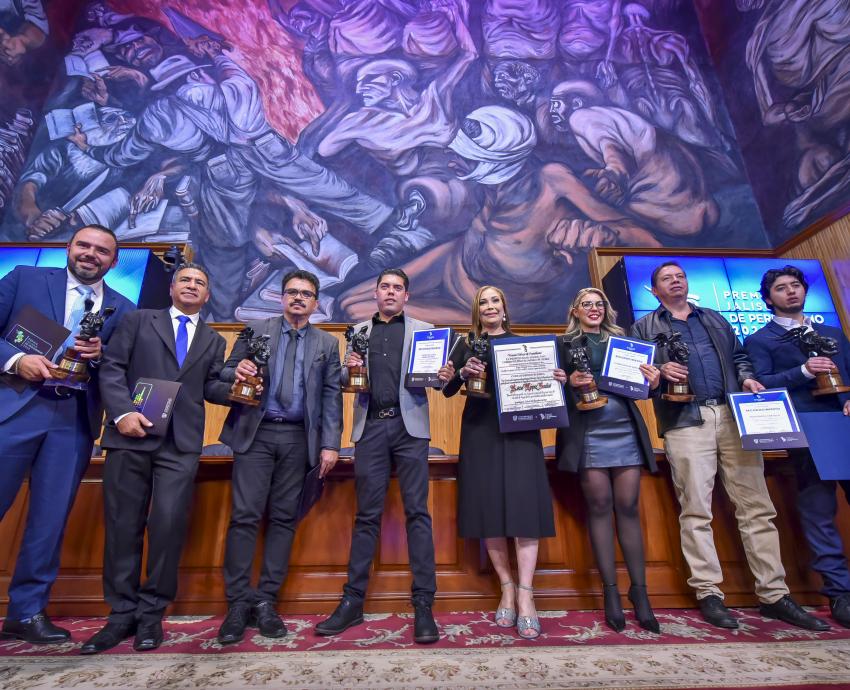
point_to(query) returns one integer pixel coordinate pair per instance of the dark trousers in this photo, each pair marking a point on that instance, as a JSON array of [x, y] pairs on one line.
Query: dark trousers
[[384, 442], [145, 489], [48, 439], [817, 504], [268, 477]]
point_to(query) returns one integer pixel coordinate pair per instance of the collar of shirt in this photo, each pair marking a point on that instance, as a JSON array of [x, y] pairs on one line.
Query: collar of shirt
[[376, 318], [788, 323], [664, 311], [193, 318], [285, 327], [72, 284]]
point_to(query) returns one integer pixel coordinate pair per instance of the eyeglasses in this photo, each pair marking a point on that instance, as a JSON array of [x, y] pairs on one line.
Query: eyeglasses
[[587, 305], [305, 294]]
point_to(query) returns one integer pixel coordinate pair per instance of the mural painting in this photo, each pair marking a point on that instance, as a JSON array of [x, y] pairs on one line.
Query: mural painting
[[785, 67], [474, 142]]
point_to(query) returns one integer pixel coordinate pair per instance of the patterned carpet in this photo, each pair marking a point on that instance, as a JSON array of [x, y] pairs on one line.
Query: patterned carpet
[[576, 650]]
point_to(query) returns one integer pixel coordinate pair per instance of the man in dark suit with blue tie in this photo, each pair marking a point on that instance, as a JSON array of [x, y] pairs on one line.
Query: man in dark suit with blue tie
[[297, 426], [46, 435], [779, 363], [148, 479]]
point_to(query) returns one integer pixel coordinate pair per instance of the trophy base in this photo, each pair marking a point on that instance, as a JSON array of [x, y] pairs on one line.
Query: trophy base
[[679, 397], [584, 406], [830, 383], [358, 380], [71, 372], [475, 393], [245, 392]]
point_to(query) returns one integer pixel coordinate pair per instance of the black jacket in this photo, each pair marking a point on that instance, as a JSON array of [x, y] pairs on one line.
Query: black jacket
[[734, 362]]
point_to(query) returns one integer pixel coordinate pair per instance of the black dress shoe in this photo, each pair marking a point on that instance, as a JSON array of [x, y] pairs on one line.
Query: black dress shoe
[[614, 617], [839, 607], [148, 636], [268, 620], [346, 614], [109, 636], [713, 611], [643, 610], [232, 630], [37, 630], [424, 626], [789, 611]]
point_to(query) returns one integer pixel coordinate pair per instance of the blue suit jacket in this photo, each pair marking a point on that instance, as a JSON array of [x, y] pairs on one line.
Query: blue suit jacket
[[44, 289], [777, 365]]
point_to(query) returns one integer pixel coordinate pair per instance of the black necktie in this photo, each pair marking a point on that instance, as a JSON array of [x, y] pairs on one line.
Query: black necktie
[[287, 380]]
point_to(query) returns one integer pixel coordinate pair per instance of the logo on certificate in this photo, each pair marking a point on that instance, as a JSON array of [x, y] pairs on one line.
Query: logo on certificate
[[141, 394]]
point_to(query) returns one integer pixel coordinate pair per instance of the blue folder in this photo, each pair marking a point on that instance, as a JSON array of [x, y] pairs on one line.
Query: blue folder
[[828, 434]]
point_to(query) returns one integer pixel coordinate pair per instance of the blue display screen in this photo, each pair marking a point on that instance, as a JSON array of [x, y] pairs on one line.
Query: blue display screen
[[126, 277], [731, 287]]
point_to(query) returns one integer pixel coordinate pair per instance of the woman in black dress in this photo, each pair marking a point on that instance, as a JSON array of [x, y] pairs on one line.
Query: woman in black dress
[[503, 489], [608, 446]]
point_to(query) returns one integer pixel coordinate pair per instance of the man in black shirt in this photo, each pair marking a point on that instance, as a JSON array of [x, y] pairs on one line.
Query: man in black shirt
[[391, 425]]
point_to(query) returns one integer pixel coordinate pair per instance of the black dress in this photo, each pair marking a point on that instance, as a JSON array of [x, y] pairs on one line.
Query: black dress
[[503, 488]]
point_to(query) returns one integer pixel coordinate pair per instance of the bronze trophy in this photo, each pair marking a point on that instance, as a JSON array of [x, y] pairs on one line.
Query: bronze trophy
[[259, 353], [476, 386], [590, 399], [358, 377], [72, 371], [678, 352], [813, 345]]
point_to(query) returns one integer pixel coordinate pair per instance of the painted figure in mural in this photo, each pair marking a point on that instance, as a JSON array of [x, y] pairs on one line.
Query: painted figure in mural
[[519, 29], [535, 221], [59, 172], [641, 168], [799, 55], [665, 85], [589, 33], [407, 131], [23, 27]]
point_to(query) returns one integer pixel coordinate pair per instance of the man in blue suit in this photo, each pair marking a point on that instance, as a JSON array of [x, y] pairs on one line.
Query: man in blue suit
[[780, 364], [45, 435]]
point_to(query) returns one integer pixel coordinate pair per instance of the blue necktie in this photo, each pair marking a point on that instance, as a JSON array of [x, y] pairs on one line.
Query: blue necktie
[[182, 341], [72, 323]]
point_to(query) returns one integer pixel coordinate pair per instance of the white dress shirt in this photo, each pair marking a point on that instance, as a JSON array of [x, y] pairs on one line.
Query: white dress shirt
[[71, 296], [789, 323]]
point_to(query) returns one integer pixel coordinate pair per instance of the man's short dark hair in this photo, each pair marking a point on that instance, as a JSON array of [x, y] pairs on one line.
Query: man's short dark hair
[[394, 272], [99, 228], [773, 274], [301, 275], [658, 268], [192, 265]]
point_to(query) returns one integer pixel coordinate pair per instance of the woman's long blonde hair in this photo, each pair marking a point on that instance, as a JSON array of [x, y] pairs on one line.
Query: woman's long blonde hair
[[609, 321], [476, 316]]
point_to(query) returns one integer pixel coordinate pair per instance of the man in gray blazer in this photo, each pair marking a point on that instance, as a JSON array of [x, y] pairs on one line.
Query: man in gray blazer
[[390, 426], [297, 426]]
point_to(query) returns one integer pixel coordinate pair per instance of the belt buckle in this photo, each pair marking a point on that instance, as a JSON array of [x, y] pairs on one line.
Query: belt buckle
[[386, 413], [712, 402]]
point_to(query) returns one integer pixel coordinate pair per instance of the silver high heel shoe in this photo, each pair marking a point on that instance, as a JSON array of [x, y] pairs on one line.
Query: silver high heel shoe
[[528, 627], [506, 615]]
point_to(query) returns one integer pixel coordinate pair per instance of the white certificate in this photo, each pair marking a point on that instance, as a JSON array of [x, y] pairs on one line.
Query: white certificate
[[525, 375], [428, 352], [770, 417], [767, 420]]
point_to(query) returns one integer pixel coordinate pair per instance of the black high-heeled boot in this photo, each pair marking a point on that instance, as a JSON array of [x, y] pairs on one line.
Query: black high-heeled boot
[[643, 609], [614, 616]]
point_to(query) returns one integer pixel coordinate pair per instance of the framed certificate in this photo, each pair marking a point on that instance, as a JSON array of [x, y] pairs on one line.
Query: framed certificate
[[621, 368], [528, 396], [767, 420], [428, 353]]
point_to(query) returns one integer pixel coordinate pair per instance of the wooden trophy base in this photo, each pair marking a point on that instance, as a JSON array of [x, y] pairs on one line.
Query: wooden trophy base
[[245, 392], [476, 387], [358, 380], [678, 392], [590, 398], [71, 371], [830, 383]]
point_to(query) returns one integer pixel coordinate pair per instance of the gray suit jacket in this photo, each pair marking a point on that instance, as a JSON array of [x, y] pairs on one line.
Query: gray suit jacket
[[413, 401], [322, 393]]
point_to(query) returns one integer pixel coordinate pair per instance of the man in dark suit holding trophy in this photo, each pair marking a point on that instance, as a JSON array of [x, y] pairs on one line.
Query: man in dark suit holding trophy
[[46, 432], [780, 363], [149, 476], [296, 426]]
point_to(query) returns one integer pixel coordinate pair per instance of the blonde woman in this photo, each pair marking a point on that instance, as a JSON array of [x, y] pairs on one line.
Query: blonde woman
[[608, 447], [503, 489]]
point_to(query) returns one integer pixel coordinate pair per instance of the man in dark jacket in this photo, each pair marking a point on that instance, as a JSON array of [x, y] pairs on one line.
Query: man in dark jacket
[[779, 363], [148, 479], [701, 440]]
